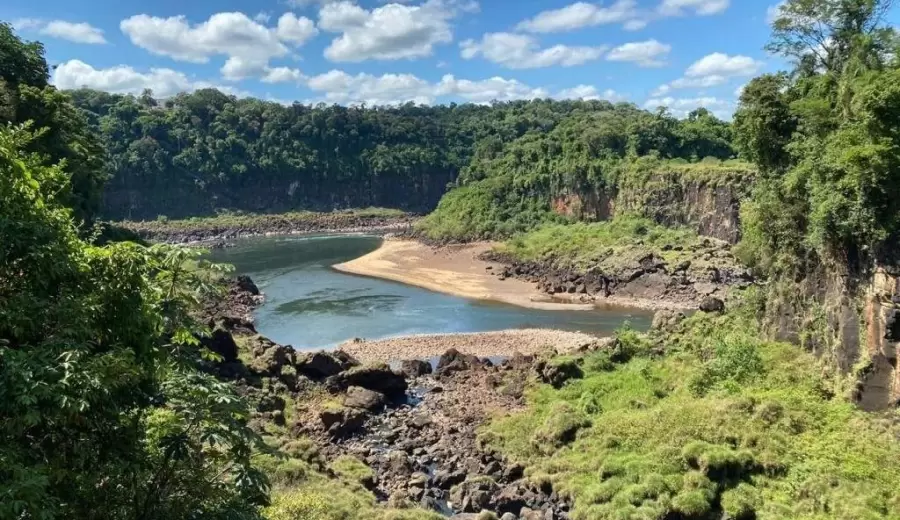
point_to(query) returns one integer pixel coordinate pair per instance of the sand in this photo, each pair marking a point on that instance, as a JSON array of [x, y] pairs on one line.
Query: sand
[[454, 270], [482, 344]]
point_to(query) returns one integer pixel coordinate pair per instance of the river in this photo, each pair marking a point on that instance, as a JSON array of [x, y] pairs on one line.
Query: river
[[310, 305]]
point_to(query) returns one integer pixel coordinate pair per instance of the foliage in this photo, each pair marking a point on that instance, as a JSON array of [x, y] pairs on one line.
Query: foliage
[[764, 439], [584, 245], [824, 138], [65, 135], [103, 413]]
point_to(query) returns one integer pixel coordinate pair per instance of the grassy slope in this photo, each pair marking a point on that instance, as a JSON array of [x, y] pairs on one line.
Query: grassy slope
[[251, 220], [724, 422]]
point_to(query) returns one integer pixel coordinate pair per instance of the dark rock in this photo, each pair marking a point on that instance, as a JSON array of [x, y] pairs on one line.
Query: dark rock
[[222, 343], [473, 495], [445, 479], [378, 377], [712, 305], [278, 418], [363, 398], [454, 361], [319, 365], [269, 357], [430, 504], [415, 368], [270, 403], [342, 422], [683, 266], [556, 373], [398, 463], [245, 284], [513, 472], [892, 325]]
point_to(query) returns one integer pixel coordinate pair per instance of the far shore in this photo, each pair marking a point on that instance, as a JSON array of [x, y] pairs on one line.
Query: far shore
[[503, 343], [456, 270]]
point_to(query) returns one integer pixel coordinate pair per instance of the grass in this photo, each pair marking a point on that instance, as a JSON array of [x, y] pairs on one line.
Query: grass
[[621, 241], [237, 220], [724, 425]]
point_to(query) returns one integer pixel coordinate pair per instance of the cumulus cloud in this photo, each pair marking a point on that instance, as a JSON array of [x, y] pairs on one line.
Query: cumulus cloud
[[700, 7], [681, 107], [389, 32], [711, 71], [294, 29], [519, 51], [583, 14], [589, 93], [123, 79], [650, 53], [248, 45], [78, 32]]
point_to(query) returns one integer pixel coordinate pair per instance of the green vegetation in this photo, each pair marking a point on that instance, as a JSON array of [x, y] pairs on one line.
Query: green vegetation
[[61, 130], [617, 242], [825, 140], [722, 424]]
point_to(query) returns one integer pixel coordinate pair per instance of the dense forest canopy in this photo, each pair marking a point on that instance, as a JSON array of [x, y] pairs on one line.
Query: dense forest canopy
[[199, 152]]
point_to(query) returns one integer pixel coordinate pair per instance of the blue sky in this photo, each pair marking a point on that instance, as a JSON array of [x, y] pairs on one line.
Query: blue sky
[[680, 53]]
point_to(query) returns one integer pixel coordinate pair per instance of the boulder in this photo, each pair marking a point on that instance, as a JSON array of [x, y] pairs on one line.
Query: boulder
[[319, 365], [415, 368], [363, 398], [342, 422], [473, 495], [557, 372], [712, 305], [222, 343], [378, 377], [269, 357], [270, 403], [454, 361], [666, 320], [245, 284], [445, 479]]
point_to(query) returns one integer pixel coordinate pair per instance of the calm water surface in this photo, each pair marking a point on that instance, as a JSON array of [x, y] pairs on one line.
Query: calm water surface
[[310, 305]]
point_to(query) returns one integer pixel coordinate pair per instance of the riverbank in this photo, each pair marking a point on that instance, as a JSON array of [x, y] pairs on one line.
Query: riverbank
[[455, 270], [504, 343], [219, 230]]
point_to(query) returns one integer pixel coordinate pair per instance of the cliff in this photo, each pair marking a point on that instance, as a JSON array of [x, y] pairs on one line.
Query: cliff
[[704, 197]]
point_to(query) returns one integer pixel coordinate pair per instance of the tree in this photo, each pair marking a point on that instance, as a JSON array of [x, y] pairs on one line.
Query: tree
[[103, 413]]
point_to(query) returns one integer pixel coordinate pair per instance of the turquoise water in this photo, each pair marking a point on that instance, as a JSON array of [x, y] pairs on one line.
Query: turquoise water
[[310, 305]]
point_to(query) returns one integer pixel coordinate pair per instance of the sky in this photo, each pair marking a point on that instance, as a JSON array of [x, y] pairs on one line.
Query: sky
[[682, 54]]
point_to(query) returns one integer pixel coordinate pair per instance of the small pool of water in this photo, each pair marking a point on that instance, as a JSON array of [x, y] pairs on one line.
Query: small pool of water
[[310, 305]]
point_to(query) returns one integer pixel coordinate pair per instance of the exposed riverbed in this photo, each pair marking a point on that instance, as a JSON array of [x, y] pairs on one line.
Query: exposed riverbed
[[311, 305]]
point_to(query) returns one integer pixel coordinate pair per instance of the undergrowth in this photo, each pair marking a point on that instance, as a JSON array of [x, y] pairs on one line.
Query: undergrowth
[[722, 425]]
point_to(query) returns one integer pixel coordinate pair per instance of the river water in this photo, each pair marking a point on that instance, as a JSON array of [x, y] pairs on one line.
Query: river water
[[310, 305]]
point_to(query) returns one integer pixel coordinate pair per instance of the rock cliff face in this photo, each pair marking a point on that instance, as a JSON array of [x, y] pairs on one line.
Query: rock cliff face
[[881, 313], [709, 204]]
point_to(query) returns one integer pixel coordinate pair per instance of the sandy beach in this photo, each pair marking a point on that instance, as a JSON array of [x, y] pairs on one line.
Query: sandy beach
[[481, 344], [455, 270]]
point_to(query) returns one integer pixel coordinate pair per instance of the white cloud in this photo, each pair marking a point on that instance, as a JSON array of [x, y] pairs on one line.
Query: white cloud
[[390, 32], [589, 92], [738, 92], [262, 17], [296, 30], [123, 79], [519, 51], [681, 107], [773, 12], [700, 7], [247, 44], [721, 64], [712, 70], [650, 53], [78, 32], [583, 14], [282, 75], [484, 91]]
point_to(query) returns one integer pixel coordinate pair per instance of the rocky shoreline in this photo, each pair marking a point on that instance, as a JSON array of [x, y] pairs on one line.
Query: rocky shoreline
[[414, 426], [701, 281], [213, 233]]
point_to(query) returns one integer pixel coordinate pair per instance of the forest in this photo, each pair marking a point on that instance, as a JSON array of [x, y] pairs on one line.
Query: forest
[[199, 153], [106, 411]]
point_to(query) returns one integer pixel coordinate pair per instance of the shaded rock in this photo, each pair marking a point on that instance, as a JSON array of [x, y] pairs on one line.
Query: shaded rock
[[270, 403], [473, 495], [892, 325], [454, 361], [557, 372], [363, 398], [444, 479], [378, 377], [712, 305], [269, 358], [245, 284], [415, 367], [342, 422], [319, 365], [222, 343]]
